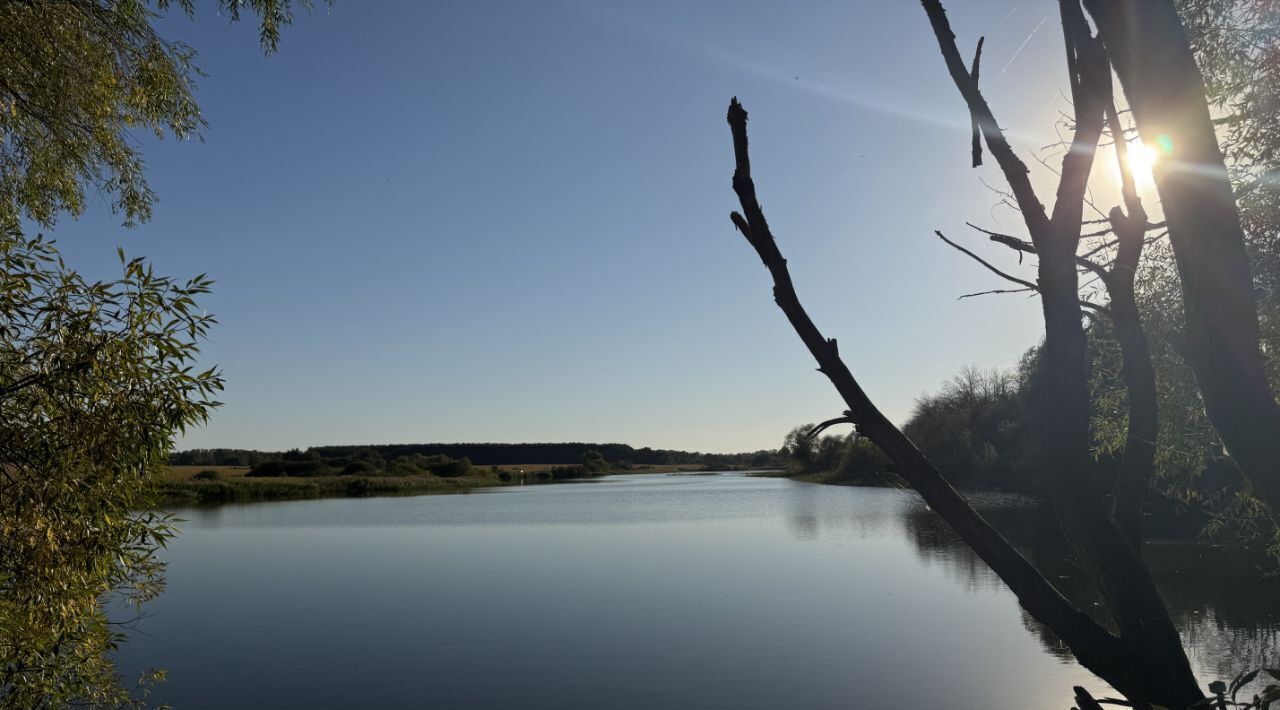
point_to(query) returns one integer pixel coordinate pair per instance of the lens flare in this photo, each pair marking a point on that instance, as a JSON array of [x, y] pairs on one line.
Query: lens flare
[[1142, 158]]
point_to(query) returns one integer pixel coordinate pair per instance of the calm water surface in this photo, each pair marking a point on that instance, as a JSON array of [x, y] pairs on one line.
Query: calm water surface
[[639, 591]]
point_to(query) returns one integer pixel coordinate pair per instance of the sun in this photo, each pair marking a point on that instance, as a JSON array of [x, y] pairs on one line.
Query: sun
[[1142, 159]]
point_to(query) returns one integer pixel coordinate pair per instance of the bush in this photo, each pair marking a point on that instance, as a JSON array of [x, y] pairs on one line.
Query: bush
[[304, 469], [569, 473], [452, 469], [267, 469], [862, 460], [360, 468], [207, 475], [593, 461]]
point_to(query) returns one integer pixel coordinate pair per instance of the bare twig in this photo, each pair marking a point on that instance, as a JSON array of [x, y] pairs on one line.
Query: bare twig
[[977, 130], [996, 291], [1006, 276]]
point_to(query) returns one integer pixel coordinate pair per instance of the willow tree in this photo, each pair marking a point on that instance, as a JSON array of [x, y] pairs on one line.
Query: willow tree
[[77, 78], [1236, 45], [1220, 338], [95, 381], [96, 378]]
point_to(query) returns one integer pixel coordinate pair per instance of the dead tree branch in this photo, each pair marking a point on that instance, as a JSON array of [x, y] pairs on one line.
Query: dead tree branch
[[1002, 274], [1093, 645], [973, 119], [846, 418], [1021, 246], [996, 291]]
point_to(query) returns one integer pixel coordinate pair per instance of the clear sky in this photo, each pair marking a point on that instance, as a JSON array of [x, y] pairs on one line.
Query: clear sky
[[507, 221]]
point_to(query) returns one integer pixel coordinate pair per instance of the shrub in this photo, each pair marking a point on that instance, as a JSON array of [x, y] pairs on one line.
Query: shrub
[[207, 475], [452, 469], [360, 468], [267, 469], [593, 461], [862, 460], [568, 473]]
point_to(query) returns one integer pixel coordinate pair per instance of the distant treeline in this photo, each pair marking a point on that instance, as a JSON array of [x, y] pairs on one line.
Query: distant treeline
[[620, 455]]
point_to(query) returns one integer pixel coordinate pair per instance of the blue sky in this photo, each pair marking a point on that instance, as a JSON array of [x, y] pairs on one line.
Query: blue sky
[[507, 221]]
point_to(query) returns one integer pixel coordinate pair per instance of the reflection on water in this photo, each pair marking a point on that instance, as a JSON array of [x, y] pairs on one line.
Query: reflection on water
[[1226, 610], [637, 592]]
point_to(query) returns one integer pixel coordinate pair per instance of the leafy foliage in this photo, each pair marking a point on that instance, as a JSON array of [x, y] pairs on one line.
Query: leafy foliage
[[1267, 697], [77, 78], [973, 430], [1237, 46], [95, 379], [840, 459], [593, 461]]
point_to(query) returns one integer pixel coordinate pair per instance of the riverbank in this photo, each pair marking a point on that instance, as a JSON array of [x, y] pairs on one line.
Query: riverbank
[[214, 485]]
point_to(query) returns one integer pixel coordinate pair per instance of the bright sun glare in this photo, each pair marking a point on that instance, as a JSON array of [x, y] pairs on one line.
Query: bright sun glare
[[1142, 158]]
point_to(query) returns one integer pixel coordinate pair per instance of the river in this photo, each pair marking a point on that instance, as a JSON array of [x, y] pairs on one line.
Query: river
[[639, 591]]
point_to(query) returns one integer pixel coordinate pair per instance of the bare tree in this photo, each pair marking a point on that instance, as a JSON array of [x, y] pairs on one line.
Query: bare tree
[[1144, 659], [1129, 225]]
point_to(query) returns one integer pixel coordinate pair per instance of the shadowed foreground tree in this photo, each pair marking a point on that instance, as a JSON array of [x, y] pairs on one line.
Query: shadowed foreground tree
[[1220, 339], [1236, 45], [1120, 318], [1143, 656]]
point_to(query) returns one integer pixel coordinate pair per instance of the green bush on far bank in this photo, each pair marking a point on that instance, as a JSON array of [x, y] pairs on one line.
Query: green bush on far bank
[[309, 464]]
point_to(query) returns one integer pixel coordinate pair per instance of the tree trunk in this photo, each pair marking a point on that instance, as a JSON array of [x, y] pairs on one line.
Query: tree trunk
[[1133, 480], [1165, 90], [1062, 423]]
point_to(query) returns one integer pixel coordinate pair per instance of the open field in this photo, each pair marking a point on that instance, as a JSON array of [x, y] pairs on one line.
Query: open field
[[185, 473]]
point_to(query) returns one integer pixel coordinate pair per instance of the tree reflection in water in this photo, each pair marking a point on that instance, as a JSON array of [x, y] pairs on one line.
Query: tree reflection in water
[[1220, 600]]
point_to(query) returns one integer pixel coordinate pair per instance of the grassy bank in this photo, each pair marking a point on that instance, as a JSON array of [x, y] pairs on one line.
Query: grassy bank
[[212, 485]]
